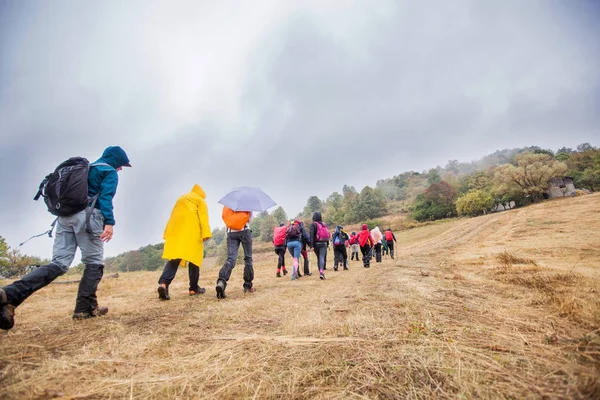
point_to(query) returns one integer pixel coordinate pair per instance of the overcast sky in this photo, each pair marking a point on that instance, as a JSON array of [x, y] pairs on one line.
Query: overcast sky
[[277, 94]]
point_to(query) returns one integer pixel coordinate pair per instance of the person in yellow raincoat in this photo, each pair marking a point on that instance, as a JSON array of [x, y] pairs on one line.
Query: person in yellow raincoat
[[185, 234]]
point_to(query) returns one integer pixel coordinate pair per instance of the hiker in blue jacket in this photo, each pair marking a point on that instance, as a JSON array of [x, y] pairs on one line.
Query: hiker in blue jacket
[[340, 255], [74, 231]]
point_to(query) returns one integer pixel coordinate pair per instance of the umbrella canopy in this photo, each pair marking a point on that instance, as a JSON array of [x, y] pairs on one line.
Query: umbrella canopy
[[247, 199]]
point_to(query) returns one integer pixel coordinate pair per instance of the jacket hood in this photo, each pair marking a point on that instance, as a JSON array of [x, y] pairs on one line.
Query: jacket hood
[[365, 227], [115, 156], [317, 217], [199, 191], [377, 229]]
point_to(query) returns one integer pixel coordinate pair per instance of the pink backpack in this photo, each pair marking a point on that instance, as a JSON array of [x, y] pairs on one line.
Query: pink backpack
[[323, 234]]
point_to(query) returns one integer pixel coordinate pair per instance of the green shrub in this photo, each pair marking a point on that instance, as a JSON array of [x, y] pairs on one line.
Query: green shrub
[[474, 202]]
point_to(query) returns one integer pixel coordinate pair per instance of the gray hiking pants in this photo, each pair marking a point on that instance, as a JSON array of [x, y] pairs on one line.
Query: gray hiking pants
[[70, 233]]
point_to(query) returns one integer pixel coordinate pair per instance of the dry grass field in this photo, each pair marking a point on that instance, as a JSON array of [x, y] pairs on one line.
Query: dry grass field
[[503, 306]]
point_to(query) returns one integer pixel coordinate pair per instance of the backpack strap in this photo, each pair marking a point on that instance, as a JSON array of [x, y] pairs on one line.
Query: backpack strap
[[42, 188], [49, 232], [90, 209], [88, 212], [101, 163]]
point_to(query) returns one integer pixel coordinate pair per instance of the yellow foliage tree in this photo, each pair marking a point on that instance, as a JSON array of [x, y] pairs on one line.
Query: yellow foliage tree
[[530, 174], [474, 202]]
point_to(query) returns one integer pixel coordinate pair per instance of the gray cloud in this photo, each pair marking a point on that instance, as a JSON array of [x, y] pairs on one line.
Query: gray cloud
[[279, 95]]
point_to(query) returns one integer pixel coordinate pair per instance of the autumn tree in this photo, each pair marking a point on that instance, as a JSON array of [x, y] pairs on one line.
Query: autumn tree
[[313, 204], [14, 263], [349, 203], [474, 202], [218, 235], [334, 214], [255, 225], [480, 180], [267, 224], [437, 202], [279, 215], [3, 252], [530, 174], [584, 167], [370, 204], [433, 176]]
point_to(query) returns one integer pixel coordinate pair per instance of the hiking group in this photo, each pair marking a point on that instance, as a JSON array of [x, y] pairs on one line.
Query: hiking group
[[294, 238], [80, 194]]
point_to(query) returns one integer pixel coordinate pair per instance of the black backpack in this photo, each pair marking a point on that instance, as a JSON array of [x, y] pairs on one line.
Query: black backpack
[[65, 191], [294, 231]]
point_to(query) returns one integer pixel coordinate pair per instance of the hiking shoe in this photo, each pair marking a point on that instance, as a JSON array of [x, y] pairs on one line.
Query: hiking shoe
[[322, 277], [199, 291], [346, 269], [285, 271], [100, 311], [7, 312], [249, 290], [220, 288], [163, 292], [278, 275], [308, 274], [335, 269], [96, 312], [294, 277]]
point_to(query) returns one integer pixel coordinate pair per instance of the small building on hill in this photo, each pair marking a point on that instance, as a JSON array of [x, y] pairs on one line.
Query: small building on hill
[[560, 186]]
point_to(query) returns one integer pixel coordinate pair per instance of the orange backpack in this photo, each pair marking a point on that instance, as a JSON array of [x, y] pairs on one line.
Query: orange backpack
[[235, 219]]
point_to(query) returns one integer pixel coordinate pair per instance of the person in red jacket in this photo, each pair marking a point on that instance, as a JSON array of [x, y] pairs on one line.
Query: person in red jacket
[[280, 247], [365, 241], [390, 238], [354, 245]]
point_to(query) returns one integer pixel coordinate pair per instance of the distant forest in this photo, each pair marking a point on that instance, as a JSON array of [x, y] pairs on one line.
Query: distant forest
[[458, 189]]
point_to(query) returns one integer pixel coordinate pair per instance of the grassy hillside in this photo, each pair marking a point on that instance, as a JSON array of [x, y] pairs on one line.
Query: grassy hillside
[[499, 306]]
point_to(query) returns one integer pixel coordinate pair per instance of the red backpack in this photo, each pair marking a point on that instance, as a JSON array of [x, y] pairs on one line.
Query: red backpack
[[279, 235], [352, 239], [323, 234], [389, 236]]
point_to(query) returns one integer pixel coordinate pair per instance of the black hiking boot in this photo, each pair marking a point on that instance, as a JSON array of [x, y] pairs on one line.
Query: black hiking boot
[[163, 292], [7, 312], [220, 288], [200, 290], [96, 312]]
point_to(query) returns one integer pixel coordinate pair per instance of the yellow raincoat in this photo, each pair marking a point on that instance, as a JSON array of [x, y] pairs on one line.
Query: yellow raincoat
[[187, 228]]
